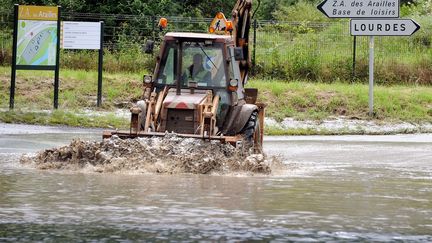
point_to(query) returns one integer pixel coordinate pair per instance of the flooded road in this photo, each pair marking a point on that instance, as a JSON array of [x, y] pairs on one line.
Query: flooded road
[[343, 188]]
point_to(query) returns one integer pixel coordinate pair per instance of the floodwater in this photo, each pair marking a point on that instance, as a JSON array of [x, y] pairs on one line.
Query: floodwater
[[342, 188]]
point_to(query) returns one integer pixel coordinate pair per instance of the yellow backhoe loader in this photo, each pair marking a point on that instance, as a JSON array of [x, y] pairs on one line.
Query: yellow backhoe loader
[[198, 88]]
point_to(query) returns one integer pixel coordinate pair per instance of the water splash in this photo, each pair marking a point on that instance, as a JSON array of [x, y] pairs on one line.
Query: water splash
[[168, 155]]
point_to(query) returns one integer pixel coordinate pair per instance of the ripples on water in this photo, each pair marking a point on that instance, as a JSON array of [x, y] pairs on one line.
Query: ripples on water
[[334, 191]]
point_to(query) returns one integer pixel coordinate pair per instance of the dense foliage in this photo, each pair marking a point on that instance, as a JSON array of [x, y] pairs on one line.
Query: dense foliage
[[193, 8], [269, 9]]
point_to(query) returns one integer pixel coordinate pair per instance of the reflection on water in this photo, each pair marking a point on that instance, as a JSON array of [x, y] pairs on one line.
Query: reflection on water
[[334, 191]]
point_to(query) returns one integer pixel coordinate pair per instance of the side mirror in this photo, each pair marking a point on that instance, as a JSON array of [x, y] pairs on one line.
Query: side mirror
[[149, 47], [238, 54]]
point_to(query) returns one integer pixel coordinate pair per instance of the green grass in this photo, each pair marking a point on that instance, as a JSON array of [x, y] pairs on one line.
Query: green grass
[[60, 117], [277, 131]]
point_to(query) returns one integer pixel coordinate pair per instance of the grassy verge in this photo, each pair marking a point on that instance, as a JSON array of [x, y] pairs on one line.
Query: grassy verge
[[64, 118], [317, 101], [78, 89], [298, 99]]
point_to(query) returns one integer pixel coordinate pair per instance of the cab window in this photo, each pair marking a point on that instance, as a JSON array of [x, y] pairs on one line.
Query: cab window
[[167, 68], [203, 64]]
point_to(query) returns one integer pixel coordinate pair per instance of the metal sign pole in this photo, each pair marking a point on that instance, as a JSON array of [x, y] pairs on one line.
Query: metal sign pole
[[57, 65], [14, 52], [371, 75], [255, 25], [100, 66], [354, 58]]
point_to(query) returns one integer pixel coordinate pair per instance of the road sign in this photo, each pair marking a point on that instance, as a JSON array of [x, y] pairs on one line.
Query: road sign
[[383, 27], [360, 8], [372, 17], [80, 35]]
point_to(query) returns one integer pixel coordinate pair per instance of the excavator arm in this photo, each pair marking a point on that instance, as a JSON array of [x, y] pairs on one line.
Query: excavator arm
[[241, 19]]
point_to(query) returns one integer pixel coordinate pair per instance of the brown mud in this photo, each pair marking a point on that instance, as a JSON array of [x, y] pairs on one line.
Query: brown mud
[[167, 155]]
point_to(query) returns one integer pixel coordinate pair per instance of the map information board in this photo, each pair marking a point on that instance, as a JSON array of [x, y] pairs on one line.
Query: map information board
[[37, 35], [36, 42]]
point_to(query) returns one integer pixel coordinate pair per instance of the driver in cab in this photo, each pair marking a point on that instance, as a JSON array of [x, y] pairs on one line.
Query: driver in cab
[[197, 73]]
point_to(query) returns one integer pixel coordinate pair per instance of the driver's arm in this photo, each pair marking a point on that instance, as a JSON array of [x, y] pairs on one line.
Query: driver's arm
[[208, 79], [186, 76]]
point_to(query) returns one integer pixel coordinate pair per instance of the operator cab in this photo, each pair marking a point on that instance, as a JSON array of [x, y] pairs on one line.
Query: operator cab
[[199, 59], [200, 62]]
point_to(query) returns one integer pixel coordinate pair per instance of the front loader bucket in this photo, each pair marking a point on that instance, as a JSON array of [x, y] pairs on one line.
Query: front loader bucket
[[234, 140]]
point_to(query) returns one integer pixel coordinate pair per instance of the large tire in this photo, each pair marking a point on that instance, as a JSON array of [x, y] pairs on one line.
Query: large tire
[[250, 128]]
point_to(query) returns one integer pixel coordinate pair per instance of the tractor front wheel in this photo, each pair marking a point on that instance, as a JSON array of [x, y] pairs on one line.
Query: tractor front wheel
[[251, 131]]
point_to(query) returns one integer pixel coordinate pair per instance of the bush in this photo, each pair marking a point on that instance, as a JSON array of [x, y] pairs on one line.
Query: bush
[[130, 60], [5, 47]]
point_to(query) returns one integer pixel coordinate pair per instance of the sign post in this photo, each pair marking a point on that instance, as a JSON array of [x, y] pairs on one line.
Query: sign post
[[380, 27], [372, 18], [371, 75], [14, 50], [35, 43], [100, 66], [57, 65], [354, 58]]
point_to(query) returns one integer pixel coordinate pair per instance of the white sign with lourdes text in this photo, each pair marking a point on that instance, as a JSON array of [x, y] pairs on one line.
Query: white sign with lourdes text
[[80, 35], [383, 27]]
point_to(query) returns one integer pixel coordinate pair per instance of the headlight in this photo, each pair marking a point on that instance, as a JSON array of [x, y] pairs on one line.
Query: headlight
[[234, 82], [147, 79]]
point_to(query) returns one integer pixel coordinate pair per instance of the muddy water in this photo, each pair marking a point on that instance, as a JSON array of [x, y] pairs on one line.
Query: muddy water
[[337, 188]]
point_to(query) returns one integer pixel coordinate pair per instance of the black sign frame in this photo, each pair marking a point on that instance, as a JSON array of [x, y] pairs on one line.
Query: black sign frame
[[15, 67]]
